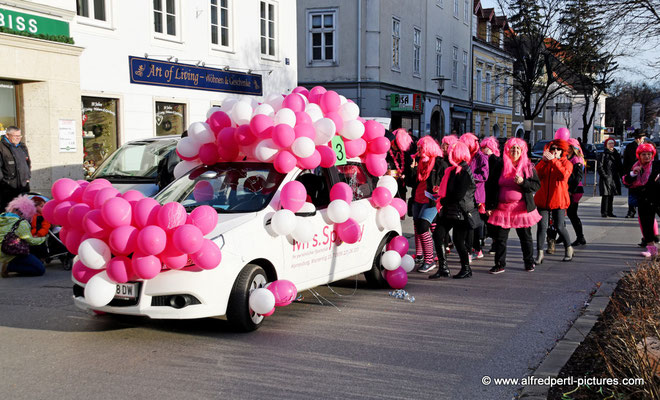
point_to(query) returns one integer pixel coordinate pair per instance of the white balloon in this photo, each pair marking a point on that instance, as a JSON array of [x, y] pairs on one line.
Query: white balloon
[[390, 260], [184, 167], [275, 100], [388, 218], [359, 211], [342, 100], [307, 208], [201, 133], [285, 116], [188, 147], [339, 211], [94, 253], [283, 222], [314, 111], [303, 147], [266, 150], [100, 290], [303, 232], [325, 130], [254, 103], [349, 111], [265, 109], [228, 104], [407, 263], [389, 183], [242, 112], [261, 300], [352, 129], [212, 110], [304, 98]]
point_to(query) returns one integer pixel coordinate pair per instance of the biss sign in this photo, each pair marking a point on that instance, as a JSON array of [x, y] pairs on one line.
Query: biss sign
[[21, 22], [406, 102]]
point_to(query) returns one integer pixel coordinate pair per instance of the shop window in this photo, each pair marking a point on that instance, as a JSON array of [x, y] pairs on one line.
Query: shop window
[[7, 105], [221, 23], [321, 33], [356, 176], [267, 19], [99, 125], [166, 18], [170, 118]]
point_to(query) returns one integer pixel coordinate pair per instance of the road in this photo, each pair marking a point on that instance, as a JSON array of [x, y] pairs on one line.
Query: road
[[359, 343]]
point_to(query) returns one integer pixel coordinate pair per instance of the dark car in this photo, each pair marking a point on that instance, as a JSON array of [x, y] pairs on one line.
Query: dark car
[[537, 150]]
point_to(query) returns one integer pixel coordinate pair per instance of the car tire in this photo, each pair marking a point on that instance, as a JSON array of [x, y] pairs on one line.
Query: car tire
[[239, 315], [374, 276]]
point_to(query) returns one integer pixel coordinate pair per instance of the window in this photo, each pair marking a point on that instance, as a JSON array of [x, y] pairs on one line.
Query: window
[[501, 39], [357, 178], [321, 37], [488, 32], [504, 134], [417, 51], [165, 17], [94, 9], [465, 69], [497, 98], [170, 118], [477, 125], [505, 87], [220, 25], [455, 8], [438, 57], [439, 3], [317, 184], [466, 11], [487, 94], [518, 105], [267, 18], [454, 67], [396, 37], [478, 84], [541, 110], [99, 131]]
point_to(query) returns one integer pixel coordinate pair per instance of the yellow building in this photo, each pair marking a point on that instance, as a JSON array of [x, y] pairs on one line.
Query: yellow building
[[492, 94]]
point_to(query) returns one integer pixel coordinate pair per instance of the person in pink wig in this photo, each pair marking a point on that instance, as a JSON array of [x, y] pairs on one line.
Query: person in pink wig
[[16, 219], [479, 167], [399, 160], [490, 146]]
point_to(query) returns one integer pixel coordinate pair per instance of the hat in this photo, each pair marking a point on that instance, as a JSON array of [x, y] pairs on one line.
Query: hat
[[639, 134]]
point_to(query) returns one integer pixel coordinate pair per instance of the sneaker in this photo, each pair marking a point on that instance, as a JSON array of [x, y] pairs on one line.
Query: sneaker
[[651, 251], [427, 268], [498, 269], [419, 260], [447, 250], [477, 254], [530, 268]]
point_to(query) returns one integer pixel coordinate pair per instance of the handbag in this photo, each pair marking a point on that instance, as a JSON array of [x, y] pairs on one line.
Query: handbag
[[12, 245], [473, 219], [410, 206]]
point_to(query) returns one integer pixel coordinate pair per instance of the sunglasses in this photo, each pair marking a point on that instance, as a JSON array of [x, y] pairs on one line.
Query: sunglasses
[[554, 148]]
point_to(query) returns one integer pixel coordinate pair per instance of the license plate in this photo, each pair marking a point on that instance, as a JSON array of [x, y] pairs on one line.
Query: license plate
[[126, 291]]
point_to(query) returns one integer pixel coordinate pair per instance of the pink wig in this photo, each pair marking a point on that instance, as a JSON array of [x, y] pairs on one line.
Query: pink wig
[[646, 147], [427, 150], [471, 141], [449, 140], [491, 143], [577, 151], [523, 167], [22, 205], [402, 139], [459, 152]]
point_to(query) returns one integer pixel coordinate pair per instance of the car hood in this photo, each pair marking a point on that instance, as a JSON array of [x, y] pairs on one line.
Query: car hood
[[227, 222]]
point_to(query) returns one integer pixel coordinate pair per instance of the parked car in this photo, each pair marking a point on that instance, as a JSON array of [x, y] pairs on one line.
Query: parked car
[[246, 196], [134, 166], [537, 150]]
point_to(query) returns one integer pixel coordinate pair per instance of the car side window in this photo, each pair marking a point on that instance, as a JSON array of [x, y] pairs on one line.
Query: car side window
[[317, 184], [356, 176]]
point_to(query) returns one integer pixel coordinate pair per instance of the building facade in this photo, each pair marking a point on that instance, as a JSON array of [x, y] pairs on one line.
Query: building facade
[[386, 55]]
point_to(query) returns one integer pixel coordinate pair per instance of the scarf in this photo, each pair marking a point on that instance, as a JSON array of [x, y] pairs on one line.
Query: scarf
[[644, 174]]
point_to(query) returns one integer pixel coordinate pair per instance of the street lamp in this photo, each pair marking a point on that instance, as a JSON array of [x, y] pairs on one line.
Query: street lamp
[[440, 81]]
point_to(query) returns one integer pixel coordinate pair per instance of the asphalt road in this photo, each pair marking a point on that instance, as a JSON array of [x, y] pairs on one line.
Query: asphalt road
[[360, 343]]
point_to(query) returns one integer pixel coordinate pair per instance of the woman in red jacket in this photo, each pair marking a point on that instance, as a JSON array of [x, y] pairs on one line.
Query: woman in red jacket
[[554, 169]]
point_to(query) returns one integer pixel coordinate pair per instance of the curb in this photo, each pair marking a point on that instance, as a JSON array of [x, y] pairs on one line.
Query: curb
[[566, 346]]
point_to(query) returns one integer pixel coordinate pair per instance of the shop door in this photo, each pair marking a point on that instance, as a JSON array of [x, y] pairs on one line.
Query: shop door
[[100, 138]]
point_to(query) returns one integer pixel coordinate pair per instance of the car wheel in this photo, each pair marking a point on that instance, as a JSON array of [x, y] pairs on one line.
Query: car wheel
[[239, 314], [374, 276]]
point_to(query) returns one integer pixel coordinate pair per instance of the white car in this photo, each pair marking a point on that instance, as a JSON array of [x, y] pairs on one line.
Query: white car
[[246, 196]]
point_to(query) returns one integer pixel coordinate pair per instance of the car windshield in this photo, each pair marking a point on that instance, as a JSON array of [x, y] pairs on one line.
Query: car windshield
[[538, 146], [235, 187], [135, 160], [600, 146]]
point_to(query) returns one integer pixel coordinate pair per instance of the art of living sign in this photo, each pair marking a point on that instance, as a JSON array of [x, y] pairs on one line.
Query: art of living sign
[[161, 73]]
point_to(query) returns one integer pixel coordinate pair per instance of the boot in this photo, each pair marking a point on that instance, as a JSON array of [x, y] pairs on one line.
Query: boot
[[651, 251], [580, 241], [568, 253], [539, 257], [465, 272], [443, 271], [551, 246]]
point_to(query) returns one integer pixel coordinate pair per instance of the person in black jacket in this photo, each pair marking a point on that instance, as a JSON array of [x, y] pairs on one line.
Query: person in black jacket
[[576, 189], [490, 146], [609, 173], [456, 210], [399, 161], [15, 166], [629, 159]]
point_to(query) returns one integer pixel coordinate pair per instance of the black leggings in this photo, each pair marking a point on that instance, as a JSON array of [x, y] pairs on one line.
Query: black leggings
[[647, 215], [500, 237], [460, 235], [575, 219], [558, 221]]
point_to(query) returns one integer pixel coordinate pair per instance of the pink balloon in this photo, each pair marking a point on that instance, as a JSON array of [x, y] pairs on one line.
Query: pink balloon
[[83, 274], [283, 136], [187, 239], [76, 214], [397, 279], [243, 135], [48, 210], [563, 133], [337, 119], [285, 292], [310, 162], [306, 130], [379, 145], [116, 212], [173, 261], [77, 195], [73, 240], [146, 212], [315, 94], [104, 195], [284, 161], [328, 157], [341, 191], [205, 218], [227, 146], [89, 194], [355, 148], [302, 90], [295, 102], [376, 164], [400, 205], [203, 191], [269, 313], [61, 213], [373, 130], [62, 235], [384, 273], [381, 197], [293, 196], [94, 225], [184, 157], [103, 182], [171, 215], [218, 121], [260, 124], [303, 118], [349, 231], [64, 188], [330, 101], [208, 257], [122, 240], [120, 269], [399, 244], [151, 240], [132, 196], [208, 153], [146, 266]]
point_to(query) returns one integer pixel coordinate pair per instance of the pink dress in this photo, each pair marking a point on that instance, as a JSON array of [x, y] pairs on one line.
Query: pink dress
[[511, 211]]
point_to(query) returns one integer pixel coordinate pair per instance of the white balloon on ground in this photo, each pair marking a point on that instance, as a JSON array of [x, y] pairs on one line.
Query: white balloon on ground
[[339, 211], [352, 129], [314, 111], [325, 130], [390, 260], [407, 263], [303, 147], [388, 218], [389, 183], [184, 167], [359, 211], [266, 150], [349, 111], [212, 110], [201, 133], [283, 222], [188, 147], [261, 300], [265, 109], [303, 232], [285, 116], [100, 290], [94, 253], [242, 112]]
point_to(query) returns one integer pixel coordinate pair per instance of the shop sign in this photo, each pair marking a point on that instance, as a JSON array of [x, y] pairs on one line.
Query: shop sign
[[67, 130], [161, 73], [406, 102], [33, 24]]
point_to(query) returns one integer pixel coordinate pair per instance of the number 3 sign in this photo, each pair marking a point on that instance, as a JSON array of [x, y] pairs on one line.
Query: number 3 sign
[[340, 151]]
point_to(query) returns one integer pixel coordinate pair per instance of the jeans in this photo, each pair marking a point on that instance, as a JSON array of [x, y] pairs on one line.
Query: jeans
[[28, 265], [460, 235], [500, 237], [560, 226]]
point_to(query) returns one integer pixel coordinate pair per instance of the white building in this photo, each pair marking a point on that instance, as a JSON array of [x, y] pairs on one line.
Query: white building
[[384, 54]]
